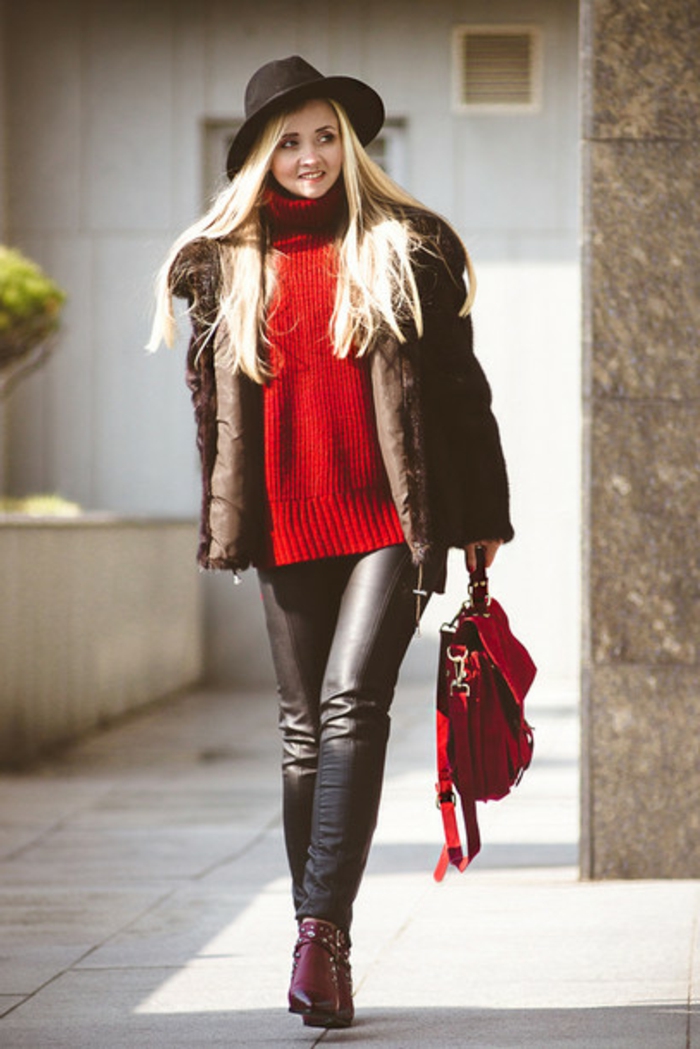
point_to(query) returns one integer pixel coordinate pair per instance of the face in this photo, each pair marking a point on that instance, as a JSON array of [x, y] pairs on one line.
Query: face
[[308, 158]]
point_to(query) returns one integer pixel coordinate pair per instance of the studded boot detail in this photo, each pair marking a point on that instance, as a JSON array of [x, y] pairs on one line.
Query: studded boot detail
[[346, 1008], [321, 986]]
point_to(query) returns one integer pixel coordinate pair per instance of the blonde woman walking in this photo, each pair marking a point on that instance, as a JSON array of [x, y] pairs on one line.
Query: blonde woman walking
[[346, 441]]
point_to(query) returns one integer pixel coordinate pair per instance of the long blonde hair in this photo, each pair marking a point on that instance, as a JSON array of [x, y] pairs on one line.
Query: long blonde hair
[[376, 278]]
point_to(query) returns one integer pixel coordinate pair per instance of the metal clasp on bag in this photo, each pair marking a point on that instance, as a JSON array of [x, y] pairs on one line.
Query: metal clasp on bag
[[445, 797], [459, 660]]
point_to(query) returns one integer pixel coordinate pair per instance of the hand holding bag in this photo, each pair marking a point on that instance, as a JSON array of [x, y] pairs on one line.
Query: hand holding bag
[[484, 743]]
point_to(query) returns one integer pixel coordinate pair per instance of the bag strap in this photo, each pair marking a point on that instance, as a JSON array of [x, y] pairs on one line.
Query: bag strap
[[453, 696], [453, 720], [479, 583], [452, 849]]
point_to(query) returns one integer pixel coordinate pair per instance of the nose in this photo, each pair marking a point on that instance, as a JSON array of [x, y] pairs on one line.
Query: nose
[[309, 156]]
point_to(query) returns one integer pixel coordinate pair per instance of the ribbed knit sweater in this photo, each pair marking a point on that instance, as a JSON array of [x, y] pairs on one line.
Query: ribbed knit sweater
[[326, 487]]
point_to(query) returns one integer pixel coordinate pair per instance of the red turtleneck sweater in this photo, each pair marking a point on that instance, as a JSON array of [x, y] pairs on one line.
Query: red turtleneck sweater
[[327, 491]]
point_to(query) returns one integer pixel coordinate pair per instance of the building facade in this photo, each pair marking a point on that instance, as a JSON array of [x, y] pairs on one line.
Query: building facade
[[116, 117]]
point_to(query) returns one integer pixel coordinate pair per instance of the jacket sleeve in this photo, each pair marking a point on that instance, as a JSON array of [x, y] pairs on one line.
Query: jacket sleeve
[[467, 476], [195, 275]]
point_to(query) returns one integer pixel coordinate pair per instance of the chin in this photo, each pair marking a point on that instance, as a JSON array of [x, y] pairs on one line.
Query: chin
[[313, 189]]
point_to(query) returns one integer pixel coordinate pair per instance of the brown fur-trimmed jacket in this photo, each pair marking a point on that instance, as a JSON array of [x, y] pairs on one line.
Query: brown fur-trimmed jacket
[[438, 437]]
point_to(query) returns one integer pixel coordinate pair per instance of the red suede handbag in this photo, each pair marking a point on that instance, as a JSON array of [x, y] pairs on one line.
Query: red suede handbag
[[484, 743]]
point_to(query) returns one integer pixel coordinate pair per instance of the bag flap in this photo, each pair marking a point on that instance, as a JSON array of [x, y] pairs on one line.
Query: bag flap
[[503, 648]]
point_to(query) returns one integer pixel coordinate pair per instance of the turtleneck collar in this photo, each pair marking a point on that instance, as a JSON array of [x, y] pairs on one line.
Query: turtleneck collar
[[289, 215]]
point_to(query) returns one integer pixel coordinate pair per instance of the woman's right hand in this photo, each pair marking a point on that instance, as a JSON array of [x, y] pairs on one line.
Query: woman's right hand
[[490, 547]]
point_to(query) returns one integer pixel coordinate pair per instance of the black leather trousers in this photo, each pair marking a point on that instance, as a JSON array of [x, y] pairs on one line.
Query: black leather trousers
[[339, 629]]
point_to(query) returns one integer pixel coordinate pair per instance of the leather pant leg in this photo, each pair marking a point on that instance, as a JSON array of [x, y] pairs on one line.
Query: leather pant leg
[[301, 603], [339, 630]]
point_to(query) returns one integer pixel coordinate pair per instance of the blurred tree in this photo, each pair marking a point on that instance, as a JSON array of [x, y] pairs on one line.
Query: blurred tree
[[30, 308]]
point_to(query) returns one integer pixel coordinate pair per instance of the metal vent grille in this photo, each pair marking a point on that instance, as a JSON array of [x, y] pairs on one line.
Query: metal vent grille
[[497, 68]]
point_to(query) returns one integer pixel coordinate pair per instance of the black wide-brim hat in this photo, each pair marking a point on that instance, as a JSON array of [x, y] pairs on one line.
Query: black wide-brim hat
[[281, 84]]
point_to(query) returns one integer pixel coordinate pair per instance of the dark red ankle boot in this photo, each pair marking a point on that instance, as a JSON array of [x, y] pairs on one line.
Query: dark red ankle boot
[[321, 987]]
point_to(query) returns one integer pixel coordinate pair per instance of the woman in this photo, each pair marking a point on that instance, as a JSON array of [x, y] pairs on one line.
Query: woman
[[347, 441]]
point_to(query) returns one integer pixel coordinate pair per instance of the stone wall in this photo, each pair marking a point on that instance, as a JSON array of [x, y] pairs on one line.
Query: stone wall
[[641, 200]]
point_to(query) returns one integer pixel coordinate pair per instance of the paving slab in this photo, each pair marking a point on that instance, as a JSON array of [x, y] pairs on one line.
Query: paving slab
[[47, 929], [513, 1028], [9, 1002], [144, 900], [124, 1008]]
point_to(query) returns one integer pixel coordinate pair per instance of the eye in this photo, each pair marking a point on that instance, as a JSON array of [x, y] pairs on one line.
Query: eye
[[287, 143], [327, 136]]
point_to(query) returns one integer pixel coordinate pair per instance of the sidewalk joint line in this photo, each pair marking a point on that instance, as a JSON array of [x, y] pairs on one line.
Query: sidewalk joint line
[[232, 857]]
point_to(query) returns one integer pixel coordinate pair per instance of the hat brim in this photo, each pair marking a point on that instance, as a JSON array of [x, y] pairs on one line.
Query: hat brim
[[362, 104]]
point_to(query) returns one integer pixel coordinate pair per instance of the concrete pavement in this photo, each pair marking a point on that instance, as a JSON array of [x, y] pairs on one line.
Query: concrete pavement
[[144, 902]]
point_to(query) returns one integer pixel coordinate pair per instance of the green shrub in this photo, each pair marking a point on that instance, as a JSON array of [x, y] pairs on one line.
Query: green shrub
[[30, 305]]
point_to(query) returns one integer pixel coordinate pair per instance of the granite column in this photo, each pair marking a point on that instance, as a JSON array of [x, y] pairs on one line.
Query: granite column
[[641, 265]]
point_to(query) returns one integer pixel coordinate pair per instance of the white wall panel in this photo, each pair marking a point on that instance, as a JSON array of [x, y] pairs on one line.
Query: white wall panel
[[191, 74], [143, 434], [349, 41], [127, 93], [105, 145], [241, 36], [526, 333], [45, 114]]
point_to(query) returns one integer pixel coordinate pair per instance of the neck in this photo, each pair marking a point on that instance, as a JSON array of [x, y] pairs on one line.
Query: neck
[[289, 214]]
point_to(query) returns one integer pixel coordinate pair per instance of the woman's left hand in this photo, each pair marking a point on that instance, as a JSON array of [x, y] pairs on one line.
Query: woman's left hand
[[490, 546]]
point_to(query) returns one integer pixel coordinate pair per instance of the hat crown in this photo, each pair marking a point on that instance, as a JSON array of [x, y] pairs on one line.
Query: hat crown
[[286, 83], [276, 78]]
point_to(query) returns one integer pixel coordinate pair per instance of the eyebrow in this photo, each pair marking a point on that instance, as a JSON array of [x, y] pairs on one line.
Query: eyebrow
[[324, 127]]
